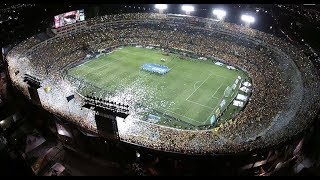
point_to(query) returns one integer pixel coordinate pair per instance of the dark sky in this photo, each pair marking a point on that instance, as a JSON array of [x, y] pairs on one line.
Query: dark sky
[[32, 19]]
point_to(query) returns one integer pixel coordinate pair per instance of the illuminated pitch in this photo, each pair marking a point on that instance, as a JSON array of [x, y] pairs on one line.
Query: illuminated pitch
[[195, 93]]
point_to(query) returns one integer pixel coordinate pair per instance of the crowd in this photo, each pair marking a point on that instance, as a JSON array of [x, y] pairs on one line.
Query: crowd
[[284, 84], [2, 88]]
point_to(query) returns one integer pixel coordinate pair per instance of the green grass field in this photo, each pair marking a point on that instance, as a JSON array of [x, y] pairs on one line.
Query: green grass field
[[191, 91]]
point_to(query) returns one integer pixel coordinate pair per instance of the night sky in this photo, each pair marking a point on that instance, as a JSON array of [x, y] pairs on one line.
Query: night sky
[[19, 22]]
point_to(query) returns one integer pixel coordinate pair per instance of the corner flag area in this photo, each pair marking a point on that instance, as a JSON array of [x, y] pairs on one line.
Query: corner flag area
[[195, 93]]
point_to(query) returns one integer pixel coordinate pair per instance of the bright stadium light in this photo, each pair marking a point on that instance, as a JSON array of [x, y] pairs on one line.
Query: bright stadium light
[[247, 19], [161, 6], [138, 154], [219, 13], [187, 8]]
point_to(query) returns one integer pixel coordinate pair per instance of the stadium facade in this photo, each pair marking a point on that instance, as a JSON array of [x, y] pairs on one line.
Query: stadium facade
[[284, 100]]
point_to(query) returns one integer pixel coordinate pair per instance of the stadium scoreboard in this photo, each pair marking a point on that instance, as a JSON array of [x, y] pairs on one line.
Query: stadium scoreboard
[[68, 18]]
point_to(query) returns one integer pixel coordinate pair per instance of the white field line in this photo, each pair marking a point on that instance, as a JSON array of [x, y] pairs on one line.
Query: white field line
[[194, 85], [96, 69], [116, 60], [218, 88], [199, 104], [137, 72], [181, 115], [218, 103], [140, 55], [159, 82], [199, 86], [215, 106], [150, 57], [92, 60]]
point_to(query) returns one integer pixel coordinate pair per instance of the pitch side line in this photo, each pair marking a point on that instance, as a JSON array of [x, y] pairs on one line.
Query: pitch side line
[[181, 115], [218, 88], [199, 104], [220, 101], [214, 108]]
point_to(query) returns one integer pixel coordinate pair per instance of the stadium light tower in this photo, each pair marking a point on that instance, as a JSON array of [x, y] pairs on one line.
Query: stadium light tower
[[161, 7], [219, 13], [187, 8], [247, 19]]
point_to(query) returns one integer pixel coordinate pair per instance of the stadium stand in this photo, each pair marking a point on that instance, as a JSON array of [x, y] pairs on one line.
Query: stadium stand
[[285, 88]]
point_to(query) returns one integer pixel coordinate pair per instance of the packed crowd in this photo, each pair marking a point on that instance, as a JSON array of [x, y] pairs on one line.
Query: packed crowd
[[281, 75]]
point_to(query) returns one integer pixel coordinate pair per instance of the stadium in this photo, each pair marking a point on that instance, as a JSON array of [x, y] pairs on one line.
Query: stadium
[[169, 82]]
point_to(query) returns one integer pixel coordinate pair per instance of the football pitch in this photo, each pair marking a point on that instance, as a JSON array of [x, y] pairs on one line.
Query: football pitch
[[190, 93]]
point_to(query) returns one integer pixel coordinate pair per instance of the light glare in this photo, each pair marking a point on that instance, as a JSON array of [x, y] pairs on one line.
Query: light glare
[[219, 13], [187, 8], [247, 18], [161, 6]]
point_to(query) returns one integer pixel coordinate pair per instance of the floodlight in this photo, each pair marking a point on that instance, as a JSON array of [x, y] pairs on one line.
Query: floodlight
[[219, 13], [247, 18], [138, 154], [187, 8], [161, 6]]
